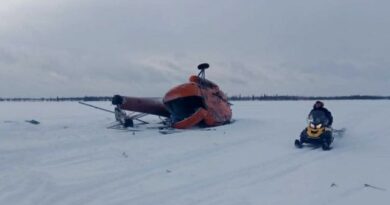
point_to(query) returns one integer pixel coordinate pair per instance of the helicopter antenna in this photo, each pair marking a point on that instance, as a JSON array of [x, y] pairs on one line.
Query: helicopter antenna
[[202, 67]]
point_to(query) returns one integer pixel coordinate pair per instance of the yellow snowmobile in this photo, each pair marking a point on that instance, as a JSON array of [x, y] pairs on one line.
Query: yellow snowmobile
[[317, 133]]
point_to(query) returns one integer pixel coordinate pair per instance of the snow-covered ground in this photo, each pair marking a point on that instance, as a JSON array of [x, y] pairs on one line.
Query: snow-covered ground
[[71, 158]]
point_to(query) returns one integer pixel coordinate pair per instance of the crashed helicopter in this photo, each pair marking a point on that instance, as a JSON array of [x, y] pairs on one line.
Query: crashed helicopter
[[198, 102]]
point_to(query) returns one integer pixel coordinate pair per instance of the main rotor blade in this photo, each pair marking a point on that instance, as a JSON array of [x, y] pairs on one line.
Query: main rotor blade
[[99, 108]]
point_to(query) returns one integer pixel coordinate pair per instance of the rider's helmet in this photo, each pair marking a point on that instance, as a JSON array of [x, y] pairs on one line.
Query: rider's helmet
[[318, 104]]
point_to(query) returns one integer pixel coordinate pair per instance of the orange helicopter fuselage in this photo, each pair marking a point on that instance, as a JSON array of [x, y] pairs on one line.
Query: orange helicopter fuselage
[[198, 102], [209, 105]]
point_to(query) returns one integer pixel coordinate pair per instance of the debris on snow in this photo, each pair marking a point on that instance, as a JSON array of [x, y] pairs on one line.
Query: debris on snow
[[34, 122], [124, 154], [374, 187]]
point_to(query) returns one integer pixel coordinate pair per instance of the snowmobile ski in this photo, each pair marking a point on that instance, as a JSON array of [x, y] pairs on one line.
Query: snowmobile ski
[[298, 144]]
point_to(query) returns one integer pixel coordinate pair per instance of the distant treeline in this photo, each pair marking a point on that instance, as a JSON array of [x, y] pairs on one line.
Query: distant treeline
[[293, 97], [232, 98]]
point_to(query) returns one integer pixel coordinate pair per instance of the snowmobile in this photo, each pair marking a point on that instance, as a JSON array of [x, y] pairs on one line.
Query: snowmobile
[[318, 132]]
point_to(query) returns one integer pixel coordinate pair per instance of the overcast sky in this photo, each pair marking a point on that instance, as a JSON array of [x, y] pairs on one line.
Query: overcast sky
[[144, 47]]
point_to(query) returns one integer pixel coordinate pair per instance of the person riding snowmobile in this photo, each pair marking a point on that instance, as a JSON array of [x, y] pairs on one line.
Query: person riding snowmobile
[[319, 106], [319, 130]]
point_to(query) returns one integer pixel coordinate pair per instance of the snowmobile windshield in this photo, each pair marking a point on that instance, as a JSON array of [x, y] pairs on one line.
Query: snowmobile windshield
[[317, 117], [184, 107]]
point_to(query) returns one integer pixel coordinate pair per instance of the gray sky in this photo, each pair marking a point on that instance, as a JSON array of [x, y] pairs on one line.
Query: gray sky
[[144, 47]]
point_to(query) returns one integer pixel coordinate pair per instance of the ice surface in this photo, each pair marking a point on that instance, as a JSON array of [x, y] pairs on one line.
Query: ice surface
[[71, 158]]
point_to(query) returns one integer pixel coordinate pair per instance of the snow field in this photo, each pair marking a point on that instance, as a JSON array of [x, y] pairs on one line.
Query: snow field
[[71, 158]]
